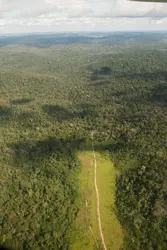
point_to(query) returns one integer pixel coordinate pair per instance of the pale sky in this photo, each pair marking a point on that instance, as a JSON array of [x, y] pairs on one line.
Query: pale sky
[[17, 16]]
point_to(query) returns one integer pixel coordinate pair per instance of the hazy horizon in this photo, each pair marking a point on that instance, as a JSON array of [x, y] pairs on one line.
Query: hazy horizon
[[81, 32]]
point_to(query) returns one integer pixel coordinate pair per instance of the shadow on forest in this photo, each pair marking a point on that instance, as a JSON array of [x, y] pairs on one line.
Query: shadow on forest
[[31, 118], [5, 248], [151, 93], [27, 118], [33, 153], [21, 101], [61, 114], [5, 114], [100, 83], [145, 75], [155, 95], [36, 151], [159, 94], [57, 112], [96, 74], [5, 111], [99, 147]]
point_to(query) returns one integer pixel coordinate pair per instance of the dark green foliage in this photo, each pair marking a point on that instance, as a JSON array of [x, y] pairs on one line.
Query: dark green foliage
[[139, 190], [40, 202]]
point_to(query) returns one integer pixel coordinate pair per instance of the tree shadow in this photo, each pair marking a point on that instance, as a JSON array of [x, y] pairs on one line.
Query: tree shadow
[[97, 74], [5, 248], [21, 101], [100, 83], [28, 119], [5, 111], [31, 118], [156, 94], [57, 112], [159, 94], [62, 114], [32, 154], [5, 114], [86, 110], [146, 75], [36, 151]]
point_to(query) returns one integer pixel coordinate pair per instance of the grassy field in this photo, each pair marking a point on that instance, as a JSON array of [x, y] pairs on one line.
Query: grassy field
[[87, 233]]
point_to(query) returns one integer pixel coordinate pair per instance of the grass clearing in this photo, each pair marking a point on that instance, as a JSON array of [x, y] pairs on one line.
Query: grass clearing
[[106, 176]]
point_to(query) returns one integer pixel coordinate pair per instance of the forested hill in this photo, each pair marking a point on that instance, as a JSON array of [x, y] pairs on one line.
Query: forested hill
[[51, 99], [115, 38]]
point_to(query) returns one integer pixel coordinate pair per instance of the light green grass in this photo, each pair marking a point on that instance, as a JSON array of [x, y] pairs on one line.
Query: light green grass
[[106, 177]]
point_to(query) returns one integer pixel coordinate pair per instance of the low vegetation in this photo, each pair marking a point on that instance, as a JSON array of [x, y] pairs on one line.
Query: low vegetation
[[86, 235]]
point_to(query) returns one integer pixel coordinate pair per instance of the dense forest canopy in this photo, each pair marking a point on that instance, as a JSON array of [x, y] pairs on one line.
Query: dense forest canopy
[[55, 91]]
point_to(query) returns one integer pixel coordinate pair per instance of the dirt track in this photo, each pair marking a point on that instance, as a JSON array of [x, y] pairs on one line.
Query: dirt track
[[98, 198]]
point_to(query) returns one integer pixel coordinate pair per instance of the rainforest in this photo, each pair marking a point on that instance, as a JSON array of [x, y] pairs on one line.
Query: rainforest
[[83, 141]]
